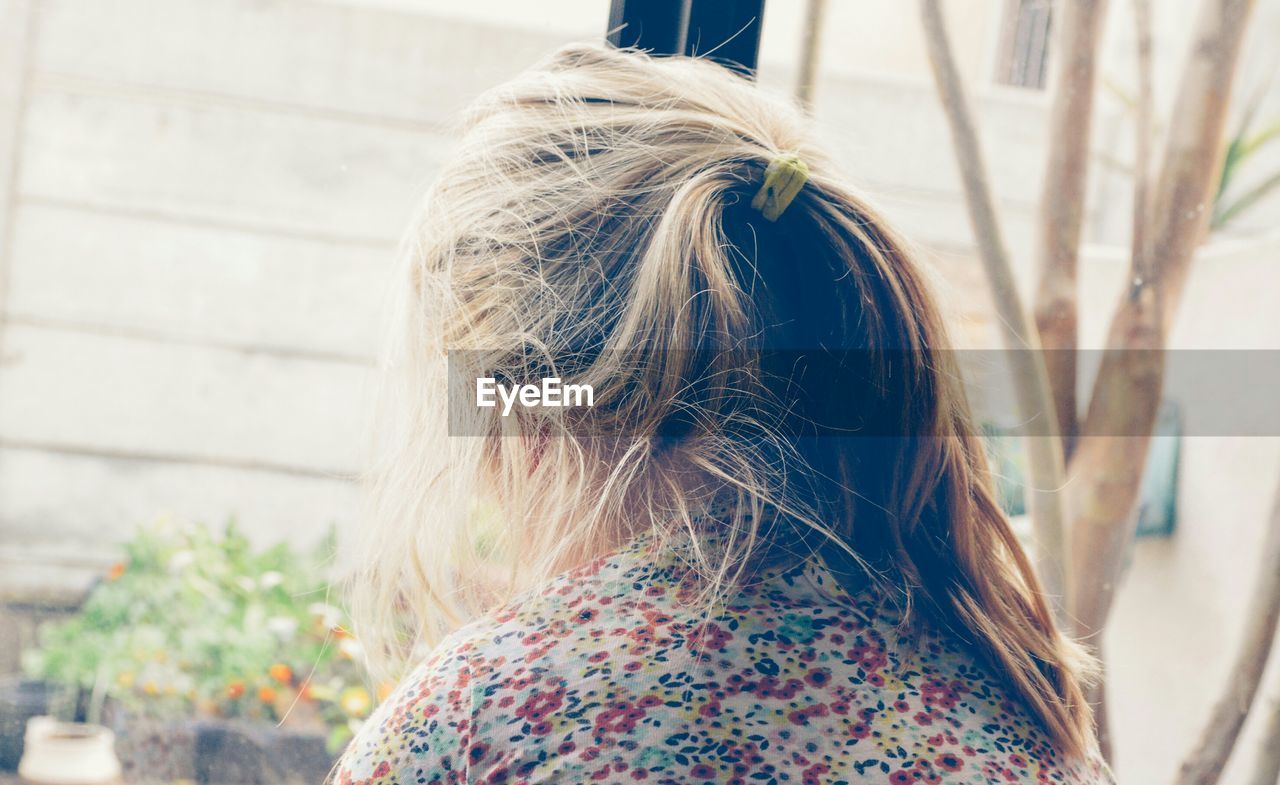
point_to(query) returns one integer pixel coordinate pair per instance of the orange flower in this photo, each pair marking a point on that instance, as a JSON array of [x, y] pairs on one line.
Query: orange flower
[[235, 689], [281, 673], [267, 694], [384, 690], [115, 571]]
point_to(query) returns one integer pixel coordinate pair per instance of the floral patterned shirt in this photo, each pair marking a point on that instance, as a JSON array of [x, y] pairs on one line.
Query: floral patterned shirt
[[607, 676]]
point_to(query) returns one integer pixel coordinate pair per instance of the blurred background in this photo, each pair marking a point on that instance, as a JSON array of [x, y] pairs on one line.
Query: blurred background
[[199, 206]]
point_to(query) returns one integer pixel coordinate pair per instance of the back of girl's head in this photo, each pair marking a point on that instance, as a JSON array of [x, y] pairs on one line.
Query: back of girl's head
[[595, 225]]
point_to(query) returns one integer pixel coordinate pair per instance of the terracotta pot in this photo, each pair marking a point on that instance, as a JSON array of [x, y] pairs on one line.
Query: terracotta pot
[[68, 753]]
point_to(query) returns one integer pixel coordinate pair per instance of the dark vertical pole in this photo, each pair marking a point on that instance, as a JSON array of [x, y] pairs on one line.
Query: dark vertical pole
[[657, 26], [727, 31]]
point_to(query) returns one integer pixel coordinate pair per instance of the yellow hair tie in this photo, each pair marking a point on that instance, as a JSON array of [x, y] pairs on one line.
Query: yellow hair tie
[[784, 178]]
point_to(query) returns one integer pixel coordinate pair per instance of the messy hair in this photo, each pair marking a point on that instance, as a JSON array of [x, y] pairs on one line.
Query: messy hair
[[595, 224]]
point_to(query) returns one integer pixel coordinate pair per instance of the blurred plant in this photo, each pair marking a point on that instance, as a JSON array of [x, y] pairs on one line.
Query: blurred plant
[[194, 623], [1244, 144], [1238, 157]]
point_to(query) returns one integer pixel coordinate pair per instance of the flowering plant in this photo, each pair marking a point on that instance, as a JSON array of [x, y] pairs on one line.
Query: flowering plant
[[194, 622]]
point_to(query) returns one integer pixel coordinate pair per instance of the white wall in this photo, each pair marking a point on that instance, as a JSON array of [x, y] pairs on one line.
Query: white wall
[[1178, 617], [205, 200]]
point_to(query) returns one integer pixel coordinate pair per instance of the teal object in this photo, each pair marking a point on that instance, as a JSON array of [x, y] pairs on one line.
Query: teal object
[[1157, 500], [1008, 463]]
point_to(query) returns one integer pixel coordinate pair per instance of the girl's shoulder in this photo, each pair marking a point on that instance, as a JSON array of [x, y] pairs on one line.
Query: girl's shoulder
[[608, 674]]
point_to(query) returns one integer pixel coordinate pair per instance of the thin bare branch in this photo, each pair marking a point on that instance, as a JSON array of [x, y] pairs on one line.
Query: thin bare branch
[[1126, 392], [1182, 202], [1031, 380], [1266, 769], [1144, 130], [1220, 733], [1140, 328], [1062, 199], [1106, 472], [810, 49]]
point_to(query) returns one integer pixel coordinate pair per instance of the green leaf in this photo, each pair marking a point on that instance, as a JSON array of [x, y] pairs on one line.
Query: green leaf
[[1224, 213]]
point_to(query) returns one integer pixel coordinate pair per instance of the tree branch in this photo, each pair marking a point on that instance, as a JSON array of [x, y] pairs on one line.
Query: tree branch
[[1205, 765], [1266, 770], [1062, 200], [1106, 473], [1193, 154], [810, 46], [1144, 130], [1031, 379]]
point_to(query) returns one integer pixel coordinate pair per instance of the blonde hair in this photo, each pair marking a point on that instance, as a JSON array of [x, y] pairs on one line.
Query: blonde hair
[[595, 224]]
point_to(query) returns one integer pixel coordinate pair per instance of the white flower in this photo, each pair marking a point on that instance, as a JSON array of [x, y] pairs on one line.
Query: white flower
[[282, 627], [328, 614], [181, 560], [270, 580], [349, 648], [246, 583]]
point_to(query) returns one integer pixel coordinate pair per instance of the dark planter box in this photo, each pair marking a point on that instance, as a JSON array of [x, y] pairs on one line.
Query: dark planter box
[[203, 751], [218, 752]]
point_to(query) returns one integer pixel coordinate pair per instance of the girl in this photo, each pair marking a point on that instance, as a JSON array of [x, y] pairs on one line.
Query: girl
[[768, 550]]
